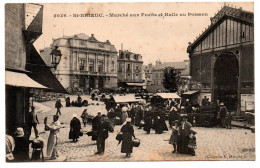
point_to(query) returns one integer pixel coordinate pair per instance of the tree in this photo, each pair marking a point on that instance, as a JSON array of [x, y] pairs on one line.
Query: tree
[[171, 79]]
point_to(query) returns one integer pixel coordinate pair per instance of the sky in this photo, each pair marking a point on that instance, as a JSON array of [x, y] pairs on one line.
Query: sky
[[164, 38]]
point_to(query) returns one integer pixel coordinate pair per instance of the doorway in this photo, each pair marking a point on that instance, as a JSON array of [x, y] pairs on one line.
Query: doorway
[[226, 74]]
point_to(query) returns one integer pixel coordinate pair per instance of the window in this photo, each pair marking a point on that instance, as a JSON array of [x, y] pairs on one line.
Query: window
[[128, 67], [120, 68], [91, 66], [136, 57], [113, 66], [128, 56], [136, 67], [82, 64], [161, 75], [128, 76], [100, 66], [156, 75], [122, 56]]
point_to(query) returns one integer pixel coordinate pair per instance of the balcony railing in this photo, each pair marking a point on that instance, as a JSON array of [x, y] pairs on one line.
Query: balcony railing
[[129, 80]]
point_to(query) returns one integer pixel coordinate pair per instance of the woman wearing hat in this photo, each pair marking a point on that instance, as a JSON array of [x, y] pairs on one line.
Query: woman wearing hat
[[21, 152], [75, 128], [128, 133]]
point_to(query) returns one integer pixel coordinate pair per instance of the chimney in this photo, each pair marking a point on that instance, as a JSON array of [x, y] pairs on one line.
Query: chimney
[[92, 35]]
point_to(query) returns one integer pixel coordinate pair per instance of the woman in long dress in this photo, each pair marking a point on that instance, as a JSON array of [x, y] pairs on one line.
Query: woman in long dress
[[75, 128], [128, 133], [54, 128]]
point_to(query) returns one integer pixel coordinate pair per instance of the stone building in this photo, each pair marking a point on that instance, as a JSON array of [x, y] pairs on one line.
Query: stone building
[[85, 63], [24, 68], [222, 59], [156, 75], [129, 69], [148, 73]]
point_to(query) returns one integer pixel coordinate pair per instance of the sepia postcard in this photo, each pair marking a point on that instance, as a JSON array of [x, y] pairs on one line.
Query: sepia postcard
[[140, 81]]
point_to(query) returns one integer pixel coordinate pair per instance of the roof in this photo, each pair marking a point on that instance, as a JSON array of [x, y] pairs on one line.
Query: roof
[[176, 65], [41, 73], [125, 98], [81, 36], [190, 92], [226, 11], [168, 95]]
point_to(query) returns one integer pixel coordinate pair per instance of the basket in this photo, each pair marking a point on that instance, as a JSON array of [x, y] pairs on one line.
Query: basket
[[119, 136], [192, 143], [37, 144], [136, 142]]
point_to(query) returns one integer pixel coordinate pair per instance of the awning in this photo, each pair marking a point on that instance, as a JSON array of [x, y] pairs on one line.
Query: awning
[[136, 84], [21, 80], [168, 95], [190, 92], [125, 98], [41, 72]]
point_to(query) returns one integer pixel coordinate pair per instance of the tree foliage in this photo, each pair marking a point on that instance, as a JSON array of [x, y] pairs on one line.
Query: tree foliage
[[171, 79]]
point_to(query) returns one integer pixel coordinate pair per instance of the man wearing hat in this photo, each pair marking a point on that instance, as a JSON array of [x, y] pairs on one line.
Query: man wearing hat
[[103, 126], [21, 150], [96, 126], [222, 114]]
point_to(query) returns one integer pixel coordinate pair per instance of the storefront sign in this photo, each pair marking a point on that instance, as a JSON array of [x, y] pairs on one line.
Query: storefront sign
[[247, 102]]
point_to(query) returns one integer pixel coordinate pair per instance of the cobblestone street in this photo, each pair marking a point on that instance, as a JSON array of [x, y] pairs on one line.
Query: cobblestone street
[[212, 143]]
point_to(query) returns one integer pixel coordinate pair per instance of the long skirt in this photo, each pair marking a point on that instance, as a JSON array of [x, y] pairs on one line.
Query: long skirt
[[52, 142], [127, 145]]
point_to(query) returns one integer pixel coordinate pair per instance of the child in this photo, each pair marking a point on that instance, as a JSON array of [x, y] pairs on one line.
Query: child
[[228, 120], [192, 142], [174, 135]]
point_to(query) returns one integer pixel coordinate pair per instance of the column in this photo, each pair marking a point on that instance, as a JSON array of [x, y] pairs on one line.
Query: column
[[77, 61], [212, 78], [96, 62], [239, 82], [96, 82], [107, 57], [87, 66]]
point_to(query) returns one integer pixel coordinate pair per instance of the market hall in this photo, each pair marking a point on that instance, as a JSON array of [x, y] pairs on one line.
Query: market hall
[[222, 60]]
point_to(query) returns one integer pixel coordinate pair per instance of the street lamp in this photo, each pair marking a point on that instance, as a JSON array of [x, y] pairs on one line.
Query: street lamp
[[55, 57]]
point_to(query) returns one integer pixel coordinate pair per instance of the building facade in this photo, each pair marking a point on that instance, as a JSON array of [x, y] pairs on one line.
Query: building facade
[[24, 68], [156, 75], [129, 69], [148, 75], [85, 63], [222, 59]]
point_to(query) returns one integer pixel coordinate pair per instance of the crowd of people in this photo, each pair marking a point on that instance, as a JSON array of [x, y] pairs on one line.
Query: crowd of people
[[140, 115]]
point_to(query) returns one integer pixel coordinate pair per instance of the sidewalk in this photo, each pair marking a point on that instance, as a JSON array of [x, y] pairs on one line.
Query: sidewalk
[[40, 108], [241, 124]]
